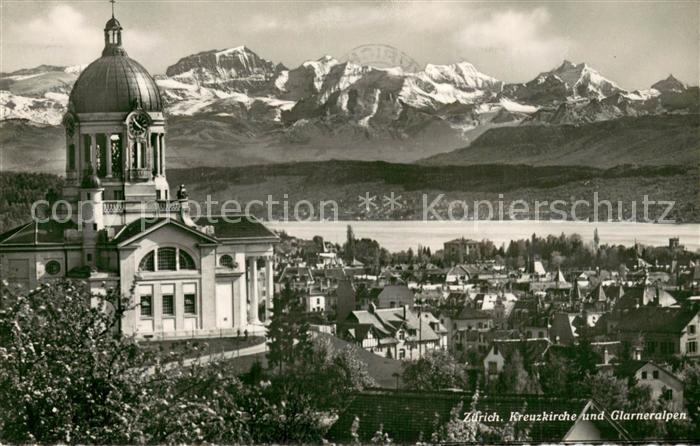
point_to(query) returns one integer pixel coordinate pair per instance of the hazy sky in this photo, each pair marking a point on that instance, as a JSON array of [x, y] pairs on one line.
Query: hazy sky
[[632, 43]]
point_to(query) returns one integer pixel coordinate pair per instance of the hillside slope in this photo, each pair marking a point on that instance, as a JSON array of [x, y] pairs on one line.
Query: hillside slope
[[647, 140]]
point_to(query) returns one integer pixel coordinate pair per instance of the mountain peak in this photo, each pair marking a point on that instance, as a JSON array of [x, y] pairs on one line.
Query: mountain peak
[[670, 84], [221, 67], [566, 65], [461, 74]]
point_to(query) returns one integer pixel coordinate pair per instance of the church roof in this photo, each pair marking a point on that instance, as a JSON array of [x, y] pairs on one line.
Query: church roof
[[143, 226], [237, 227], [37, 233], [115, 83]]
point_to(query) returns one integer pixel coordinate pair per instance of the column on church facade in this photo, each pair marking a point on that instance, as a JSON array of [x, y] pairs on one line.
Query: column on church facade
[[93, 151], [161, 146], [253, 287], [156, 154], [269, 285], [108, 154]]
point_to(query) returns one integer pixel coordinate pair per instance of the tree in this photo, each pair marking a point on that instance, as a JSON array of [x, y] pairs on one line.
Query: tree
[[350, 245], [691, 375], [68, 376], [515, 379], [58, 357], [470, 430], [288, 332], [436, 370], [596, 239]]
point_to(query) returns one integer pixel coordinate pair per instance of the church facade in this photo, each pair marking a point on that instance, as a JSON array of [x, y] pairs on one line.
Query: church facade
[[117, 226]]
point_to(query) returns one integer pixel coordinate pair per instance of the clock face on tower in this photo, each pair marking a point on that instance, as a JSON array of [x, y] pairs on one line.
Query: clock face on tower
[[138, 124]]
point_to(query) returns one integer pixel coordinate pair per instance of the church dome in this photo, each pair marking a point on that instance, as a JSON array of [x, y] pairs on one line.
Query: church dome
[[115, 82]]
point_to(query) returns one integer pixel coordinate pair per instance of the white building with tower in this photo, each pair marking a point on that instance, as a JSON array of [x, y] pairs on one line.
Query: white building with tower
[[118, 227]]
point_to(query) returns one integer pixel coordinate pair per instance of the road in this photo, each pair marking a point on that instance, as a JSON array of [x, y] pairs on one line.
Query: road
[[252, 350]]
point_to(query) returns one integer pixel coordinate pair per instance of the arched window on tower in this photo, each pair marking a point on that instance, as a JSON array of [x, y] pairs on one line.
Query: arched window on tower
[[71, 156], [116, 154], [143, 162], [101, 154], [135, 155]]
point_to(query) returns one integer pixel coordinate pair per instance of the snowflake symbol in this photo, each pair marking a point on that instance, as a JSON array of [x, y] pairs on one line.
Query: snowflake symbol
[[367, 201], [393, 201]]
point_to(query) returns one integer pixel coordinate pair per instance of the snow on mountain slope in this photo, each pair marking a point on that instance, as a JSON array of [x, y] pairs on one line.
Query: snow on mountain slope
[[45, 111], [565, 83], [234, 99], [236, 68], [305, 80], [35, 82], [462, 75]]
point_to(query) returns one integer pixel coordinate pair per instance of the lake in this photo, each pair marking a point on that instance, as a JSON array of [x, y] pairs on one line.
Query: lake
[[400, 235]]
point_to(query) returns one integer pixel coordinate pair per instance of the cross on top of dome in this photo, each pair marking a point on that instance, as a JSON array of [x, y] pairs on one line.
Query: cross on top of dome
[[113, 36]]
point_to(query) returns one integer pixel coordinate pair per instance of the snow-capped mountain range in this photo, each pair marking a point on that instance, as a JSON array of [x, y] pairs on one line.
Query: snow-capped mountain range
[[234, 94]]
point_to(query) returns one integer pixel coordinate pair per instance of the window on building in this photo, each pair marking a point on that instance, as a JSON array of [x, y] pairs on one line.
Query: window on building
[[318, 301], [691, 329], [691, 347], [402, 354], [227, 261], [118, 194], [146, 294], [53, 267], [166, 259], [190, 297], [402, 335], [644, 375], [668, 394], [168, 297], [492, 368], [186, 261], [655, 374], [147, 262]]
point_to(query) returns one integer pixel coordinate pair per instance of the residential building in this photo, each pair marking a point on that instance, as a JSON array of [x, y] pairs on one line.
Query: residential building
[[502, 350], [395, 296], [399, 333], [660, 333], [663, 383], [460, 249]]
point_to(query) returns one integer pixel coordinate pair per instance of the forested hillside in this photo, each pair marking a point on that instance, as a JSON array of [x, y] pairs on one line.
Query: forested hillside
[[17, 193]]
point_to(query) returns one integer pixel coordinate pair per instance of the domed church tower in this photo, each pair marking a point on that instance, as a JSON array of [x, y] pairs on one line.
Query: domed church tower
[[115, 128]]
